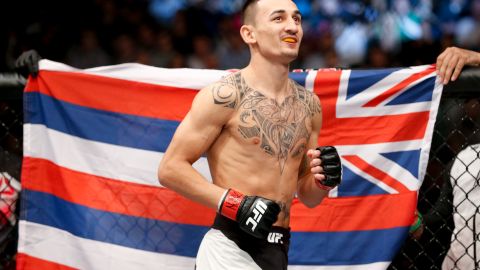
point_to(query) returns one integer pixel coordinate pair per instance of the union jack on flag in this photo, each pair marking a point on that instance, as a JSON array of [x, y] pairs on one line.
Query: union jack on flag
[[379, 120], [93, 140]]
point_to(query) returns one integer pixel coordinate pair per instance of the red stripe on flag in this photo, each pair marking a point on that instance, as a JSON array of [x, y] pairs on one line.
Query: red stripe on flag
[[376, 173], [157, 203], [115, 95], [112, 195], [367, 130], [26, 262], [372, 130], [355, 213], [398, 87]]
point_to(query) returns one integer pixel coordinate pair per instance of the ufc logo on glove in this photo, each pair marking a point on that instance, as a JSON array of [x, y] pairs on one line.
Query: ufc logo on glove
[[255, 215], [258, 212]]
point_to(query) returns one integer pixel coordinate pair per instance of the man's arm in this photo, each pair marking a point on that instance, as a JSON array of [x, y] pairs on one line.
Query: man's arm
[[211, 109], [193, 137], [452, 60], [307, 191]]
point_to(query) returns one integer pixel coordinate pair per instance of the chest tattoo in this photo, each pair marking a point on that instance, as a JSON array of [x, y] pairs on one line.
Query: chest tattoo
[[279, 127]]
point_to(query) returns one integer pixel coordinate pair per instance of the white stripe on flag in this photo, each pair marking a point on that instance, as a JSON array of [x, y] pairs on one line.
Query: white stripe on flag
[[175, 77], [59, 246], [424, 156], [365, 149], [97, 158]]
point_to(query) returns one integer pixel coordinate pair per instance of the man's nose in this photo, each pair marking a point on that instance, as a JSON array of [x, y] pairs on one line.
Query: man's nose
[[292, 26]]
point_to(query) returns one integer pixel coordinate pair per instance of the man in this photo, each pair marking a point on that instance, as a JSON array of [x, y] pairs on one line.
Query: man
[[449, 65], [460, 193], [464, 251], [255, 127]]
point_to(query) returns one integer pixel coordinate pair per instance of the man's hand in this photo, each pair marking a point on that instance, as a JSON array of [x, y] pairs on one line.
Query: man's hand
[[254, 214], [417, 227], [27, 63], [452, 60], [326, 167]]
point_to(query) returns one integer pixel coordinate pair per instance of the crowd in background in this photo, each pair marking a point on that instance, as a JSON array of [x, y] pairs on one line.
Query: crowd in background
[[205, 33]]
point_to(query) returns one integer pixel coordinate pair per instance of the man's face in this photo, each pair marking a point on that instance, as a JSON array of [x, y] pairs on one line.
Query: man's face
[[278, 29]]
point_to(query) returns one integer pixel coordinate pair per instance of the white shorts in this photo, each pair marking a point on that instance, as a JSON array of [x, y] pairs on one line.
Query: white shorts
[[226, 247], [217, 252]]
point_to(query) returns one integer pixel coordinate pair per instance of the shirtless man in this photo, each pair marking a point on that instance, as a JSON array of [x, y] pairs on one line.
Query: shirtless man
[[259, 130]]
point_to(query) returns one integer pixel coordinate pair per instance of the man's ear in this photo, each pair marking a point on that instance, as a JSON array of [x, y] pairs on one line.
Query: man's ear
[[248, 34]]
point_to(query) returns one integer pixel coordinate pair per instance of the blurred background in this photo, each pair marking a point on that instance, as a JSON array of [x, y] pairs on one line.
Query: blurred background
[[204, 33]]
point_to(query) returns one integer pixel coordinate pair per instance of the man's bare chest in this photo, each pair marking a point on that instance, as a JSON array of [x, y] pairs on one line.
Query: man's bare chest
[[280, 130]]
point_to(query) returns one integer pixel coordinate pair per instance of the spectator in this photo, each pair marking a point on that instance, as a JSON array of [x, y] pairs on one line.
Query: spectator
[[461, 192], [88, 53], [464, 250], [125, 49], [163, 53], [232, 52], [203, 55]]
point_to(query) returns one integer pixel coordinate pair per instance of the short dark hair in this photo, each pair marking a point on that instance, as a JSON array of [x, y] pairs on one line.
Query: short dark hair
[[245, 6]]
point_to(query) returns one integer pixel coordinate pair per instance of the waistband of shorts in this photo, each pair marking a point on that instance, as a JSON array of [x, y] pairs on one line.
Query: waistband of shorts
[[227, 225]]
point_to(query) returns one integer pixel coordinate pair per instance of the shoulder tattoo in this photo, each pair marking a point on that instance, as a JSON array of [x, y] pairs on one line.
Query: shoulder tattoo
[[229, 91]]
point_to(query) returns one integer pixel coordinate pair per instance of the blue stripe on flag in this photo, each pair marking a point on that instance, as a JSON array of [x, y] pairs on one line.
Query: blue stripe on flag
[[357, 247], [97, 125], [361, 80], [355, 185], [409, 160], [133, 232], [299, 77], [421, 92]]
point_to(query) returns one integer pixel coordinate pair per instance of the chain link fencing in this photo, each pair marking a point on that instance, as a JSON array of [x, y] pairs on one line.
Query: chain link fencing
[[457, 126], [11, 134], [449, 198]]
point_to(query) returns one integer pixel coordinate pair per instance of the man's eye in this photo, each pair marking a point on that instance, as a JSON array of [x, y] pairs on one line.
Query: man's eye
[[277, 19]]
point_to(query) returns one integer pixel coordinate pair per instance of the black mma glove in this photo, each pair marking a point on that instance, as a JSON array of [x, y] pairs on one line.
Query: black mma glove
[[332, 168], [27, 63], [255, 215]]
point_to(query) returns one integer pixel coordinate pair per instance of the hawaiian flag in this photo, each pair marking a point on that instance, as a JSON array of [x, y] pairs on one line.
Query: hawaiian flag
[[93, 140]]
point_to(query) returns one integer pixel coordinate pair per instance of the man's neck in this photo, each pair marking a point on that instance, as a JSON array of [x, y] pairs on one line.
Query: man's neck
[[267, 77]]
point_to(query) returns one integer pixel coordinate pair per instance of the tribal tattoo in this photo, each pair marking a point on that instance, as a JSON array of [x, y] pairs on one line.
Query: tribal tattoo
[[279, 126]]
